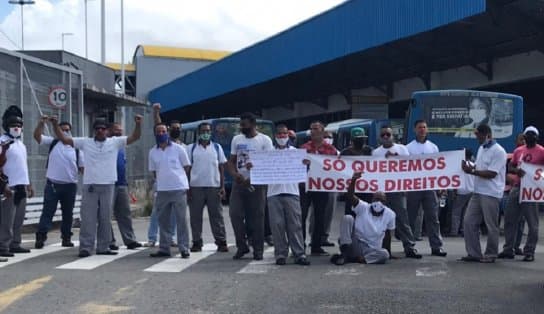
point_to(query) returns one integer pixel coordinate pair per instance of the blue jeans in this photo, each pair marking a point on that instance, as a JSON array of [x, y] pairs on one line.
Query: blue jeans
[[64, 193], [154, 224]]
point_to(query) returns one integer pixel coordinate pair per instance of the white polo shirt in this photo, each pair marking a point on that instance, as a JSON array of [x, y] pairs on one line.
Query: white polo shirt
[[417, 148], [100, 158], [396, 148], [168, 165], [287, 188], [491, 158], [241, 146], [16, 167], [205, 161], [62, 167], [371, 229]]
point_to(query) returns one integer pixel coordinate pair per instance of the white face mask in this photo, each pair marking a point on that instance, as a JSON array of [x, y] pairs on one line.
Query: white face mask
[[377, 207], [477, 115], [15, 132], [282, 141], [67, 133], [328, 141]]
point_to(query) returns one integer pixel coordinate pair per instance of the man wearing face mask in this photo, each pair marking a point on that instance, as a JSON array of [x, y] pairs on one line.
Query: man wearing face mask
[[319, 200], [98, 182], [16, 169], [174, 126], [532, 153], [397, 200], [489, 174], [247, 201], [63, 165], [426, 199], [362, 238], [207, 187]]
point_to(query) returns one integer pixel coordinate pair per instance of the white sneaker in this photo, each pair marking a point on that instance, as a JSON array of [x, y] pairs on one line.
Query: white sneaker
[[149, 244], [3, 259]]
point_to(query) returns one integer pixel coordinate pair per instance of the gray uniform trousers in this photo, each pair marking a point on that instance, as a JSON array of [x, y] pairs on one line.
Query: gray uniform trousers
[[459, 204], [168, 202], [247, 207], [11, 222], [96, 206], [397, 202], [285, 218], [121, 211], [429, 204], [486, 208], [210, 197], [357, 247], [514, 210]]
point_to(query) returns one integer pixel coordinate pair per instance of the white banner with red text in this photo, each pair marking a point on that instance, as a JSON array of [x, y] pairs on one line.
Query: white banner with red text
[[439, 171], [531, 187]]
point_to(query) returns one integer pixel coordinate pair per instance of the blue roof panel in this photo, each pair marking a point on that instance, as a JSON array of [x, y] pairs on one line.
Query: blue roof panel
[[351, 27]]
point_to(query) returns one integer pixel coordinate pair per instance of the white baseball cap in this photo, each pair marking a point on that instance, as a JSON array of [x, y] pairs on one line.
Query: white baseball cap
[[531, 129]]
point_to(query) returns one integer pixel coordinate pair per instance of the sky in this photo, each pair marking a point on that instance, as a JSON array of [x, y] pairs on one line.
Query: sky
[[205, 24]]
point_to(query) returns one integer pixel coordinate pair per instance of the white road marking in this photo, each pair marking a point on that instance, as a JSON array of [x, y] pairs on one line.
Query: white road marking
[[94, 261], [261, 267], [35, 253], [343, 271], [177, 264]]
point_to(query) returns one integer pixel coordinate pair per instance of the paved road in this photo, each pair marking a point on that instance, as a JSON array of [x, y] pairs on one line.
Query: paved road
[[54, 280]]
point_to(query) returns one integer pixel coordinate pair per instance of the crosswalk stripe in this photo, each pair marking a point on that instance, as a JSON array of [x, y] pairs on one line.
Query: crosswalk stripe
[[261, 267], [94, 261], [35, 253], [177, 264]]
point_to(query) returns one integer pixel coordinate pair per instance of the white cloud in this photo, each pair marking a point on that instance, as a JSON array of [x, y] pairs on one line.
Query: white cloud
[[208, 24]]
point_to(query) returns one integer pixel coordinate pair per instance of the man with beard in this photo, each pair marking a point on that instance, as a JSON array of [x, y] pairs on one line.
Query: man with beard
[[362, 237], [247, 201], [397, 200], [532, 153]]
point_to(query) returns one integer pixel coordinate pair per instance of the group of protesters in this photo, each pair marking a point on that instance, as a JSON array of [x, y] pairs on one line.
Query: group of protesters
[[193, 176]]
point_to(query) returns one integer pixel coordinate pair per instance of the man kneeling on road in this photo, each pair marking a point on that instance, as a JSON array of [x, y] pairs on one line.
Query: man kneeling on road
[[362, 237]]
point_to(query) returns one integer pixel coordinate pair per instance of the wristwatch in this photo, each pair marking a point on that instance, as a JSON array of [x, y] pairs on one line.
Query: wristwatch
[[473, 171]]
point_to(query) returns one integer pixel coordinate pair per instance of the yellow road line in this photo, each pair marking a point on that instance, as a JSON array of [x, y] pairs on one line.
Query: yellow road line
[[12, 295]]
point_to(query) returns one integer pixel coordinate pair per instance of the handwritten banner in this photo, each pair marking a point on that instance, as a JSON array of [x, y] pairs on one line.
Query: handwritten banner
[[395, 174], [532, 184], [278, 166]]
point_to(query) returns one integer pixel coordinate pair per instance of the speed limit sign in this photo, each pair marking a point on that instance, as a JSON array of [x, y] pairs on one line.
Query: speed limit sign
[[58, 97]]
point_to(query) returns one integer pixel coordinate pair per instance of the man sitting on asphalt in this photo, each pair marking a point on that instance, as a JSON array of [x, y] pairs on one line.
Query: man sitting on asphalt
[[362, 237]]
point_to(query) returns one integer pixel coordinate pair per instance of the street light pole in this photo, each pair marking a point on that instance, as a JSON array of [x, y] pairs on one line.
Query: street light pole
[[86, 40], [22, 3], [62, 36], [122, 47]]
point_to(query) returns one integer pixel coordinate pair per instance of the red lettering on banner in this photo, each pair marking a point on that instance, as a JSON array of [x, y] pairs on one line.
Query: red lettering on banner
[[443, 182], [314, 183], [537, 194], [371, 166], [393, 166], [374, 185], [362, 185], [538, 174], [327, 164], [532, 194], [328, 184], [526, 194], [432, 183], [456, 181], [389, 185], [414, 165], [403, 165], [358, 166], [383, 165], [339, 165], [441, 163], [417, 184], [429, 164]]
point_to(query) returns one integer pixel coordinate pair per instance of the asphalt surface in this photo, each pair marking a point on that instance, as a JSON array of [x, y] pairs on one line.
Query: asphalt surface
[[216, 283]]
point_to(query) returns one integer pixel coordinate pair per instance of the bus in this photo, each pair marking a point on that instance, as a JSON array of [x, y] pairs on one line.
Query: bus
[[223, 130], [452, 116]]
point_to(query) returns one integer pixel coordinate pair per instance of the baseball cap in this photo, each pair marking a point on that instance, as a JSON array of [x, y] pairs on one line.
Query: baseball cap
[[530, 129], [358, 132]]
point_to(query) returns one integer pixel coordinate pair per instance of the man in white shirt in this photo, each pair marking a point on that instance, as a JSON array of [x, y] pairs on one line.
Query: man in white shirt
[[63, 164], [426, 199], [362, 238], [284, 212], [12, 213], [489, 179], [247, 201], [397, 200], [98, 182], [169, 163], [207, 182]]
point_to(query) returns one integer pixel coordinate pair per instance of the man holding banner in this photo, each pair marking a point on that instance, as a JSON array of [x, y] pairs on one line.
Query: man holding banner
[[489, 174], [531, 153]]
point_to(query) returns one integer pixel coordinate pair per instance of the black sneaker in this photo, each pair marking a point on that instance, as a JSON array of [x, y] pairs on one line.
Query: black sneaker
[[83, 254], [6, 254], [196, 248], [67, 243], [327, 243], [258, 257], [529, 258], [319, 252], [107, 252], [114, 247], [19, 250], [185, 254], [280, 261], [3, 259], [413, 254], [518, 251], [240, 253], [40, 240], [439, 252], [505, 255], [134, 245], [302, 261], [160, 254]]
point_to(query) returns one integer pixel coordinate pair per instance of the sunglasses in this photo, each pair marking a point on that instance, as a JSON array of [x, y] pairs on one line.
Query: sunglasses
[[385, 134]]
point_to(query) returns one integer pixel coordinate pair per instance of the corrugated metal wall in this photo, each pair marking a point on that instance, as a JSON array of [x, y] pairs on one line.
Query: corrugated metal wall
[[351, 27]]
